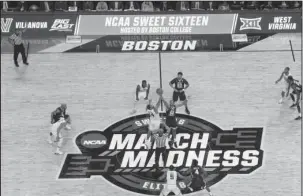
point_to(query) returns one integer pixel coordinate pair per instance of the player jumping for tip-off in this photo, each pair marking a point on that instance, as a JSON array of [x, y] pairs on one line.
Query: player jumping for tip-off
[[171, 120], [142, 93], [154, 122], [284, 75]]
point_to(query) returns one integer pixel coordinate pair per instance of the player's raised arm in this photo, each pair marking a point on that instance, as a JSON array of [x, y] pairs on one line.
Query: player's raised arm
[[147, 91], [158, 104], [165, 102], [137, 92], [280, 78]]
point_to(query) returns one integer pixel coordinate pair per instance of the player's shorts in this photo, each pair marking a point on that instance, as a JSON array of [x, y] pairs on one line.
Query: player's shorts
[[141, 95], [54, 128], [285, 87], [197, 184], [177, 95], [154, 125], [170, 188], [172, 123]]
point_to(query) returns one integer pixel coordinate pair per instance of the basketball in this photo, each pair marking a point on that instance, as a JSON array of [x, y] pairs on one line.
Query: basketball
[[159, 91]]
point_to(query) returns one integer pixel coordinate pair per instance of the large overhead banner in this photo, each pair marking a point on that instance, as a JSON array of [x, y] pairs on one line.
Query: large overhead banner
[[156, 24]]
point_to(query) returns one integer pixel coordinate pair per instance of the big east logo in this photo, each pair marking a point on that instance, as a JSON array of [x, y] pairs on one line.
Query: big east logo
[[119, 155]]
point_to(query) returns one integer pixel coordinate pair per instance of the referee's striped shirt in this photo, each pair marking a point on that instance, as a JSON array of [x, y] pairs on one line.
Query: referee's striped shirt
[[17, 39], [161, 141]]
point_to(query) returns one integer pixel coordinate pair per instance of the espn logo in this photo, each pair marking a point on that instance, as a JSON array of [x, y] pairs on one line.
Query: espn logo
[[250, 23], [6, 24], [93, 140]]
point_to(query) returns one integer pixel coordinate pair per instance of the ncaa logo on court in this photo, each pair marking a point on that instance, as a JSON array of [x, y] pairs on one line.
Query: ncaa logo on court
[[93, 140], [250, 23], [119, 155]]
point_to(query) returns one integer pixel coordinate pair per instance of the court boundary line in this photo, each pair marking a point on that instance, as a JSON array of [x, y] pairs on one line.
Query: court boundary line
[[150, 52]]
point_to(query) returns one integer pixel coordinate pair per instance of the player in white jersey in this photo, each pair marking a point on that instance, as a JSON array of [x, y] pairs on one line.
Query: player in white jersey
[[171, 183], [55, 134], [142, 93], [284, 76], [154, 121]]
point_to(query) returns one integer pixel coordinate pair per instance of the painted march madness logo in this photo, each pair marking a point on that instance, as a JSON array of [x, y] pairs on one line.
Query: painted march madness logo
[[118, 153]]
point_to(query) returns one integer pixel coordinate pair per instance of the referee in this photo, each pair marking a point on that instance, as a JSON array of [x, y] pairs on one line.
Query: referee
[[17, 41], [160, 140]]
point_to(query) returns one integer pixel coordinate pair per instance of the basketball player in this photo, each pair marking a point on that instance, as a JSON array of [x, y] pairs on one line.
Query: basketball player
[[297, 90], [292, 94], [142, 93], [55, 134], [284, 75], [61, 112], [171, 182], [171, 120], [155, 123], [179, 84], [198, 175]]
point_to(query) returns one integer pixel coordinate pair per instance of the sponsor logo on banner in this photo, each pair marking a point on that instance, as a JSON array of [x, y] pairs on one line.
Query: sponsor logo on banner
[[239, 38], [250, 23], [31, 25], [177, 45], [282, 23], [119, 154], [62, 25], [6, 24], [73, 39]]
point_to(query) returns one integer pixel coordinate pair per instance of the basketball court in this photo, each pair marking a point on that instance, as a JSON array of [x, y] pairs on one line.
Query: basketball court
[[229, 89]]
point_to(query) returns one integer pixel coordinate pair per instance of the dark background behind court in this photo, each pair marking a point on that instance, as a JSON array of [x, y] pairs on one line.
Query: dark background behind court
[[146, 6]]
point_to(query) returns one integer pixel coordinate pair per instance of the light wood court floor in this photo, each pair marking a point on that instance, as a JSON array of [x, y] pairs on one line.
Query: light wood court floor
[[233, 89]]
